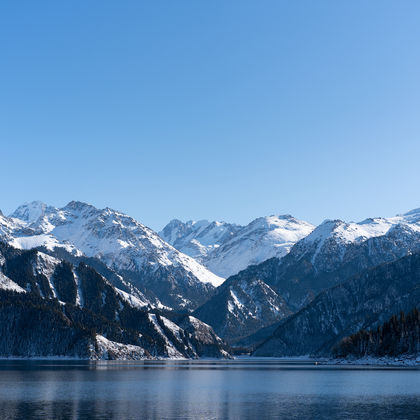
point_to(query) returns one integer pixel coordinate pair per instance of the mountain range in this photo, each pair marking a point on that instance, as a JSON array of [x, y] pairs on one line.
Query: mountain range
[[162, 273], [226, 249], [278, 286]]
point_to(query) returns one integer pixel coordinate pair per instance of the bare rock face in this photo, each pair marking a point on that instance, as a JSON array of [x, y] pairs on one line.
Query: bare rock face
[[240, 308], [203, 338]]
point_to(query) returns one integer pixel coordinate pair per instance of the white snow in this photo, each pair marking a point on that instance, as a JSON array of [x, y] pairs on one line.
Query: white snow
[[30, 212], [79, 294], [133, 301], [226, 249], [7, 284], [46, 265], [346, 233], [46, 240], [172, 327], [221, 249], [197, 238], [235, 302], [115, 238], [263, 238], [107, 348], [170, 348]]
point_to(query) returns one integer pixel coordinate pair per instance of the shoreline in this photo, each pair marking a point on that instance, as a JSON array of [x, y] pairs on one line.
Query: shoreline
[[408, 361], [402, 361]]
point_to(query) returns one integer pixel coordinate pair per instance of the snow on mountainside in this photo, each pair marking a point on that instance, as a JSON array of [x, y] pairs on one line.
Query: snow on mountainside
[[362, 302], [240, 308], [335, 236], [8, 226], [226, 249], [7, 284], [197, 239], [119, 241], [263, 238], [334, 252], [115, 238]]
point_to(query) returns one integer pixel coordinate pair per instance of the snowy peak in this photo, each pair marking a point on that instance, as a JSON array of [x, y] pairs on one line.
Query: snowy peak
[[226, 248], [118, 240], [412, 216], [78, 206], [197, 238], [347, 233], [121, 242], [263, 238], [174, 230], [31, 212], [335, 244], [283, 228]]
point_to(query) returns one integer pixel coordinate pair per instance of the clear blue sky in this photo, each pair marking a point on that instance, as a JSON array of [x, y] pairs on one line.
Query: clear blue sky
[[212, 109]]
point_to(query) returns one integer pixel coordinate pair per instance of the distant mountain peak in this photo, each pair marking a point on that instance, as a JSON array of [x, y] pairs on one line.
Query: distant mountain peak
[[31, 211], [413, 212], [226, 248], [78, 205]]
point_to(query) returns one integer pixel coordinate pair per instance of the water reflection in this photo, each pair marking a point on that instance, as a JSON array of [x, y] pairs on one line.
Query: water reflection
[[205, 389]]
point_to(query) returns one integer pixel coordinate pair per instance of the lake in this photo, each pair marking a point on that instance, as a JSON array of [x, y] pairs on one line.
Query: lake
[[239, 389]]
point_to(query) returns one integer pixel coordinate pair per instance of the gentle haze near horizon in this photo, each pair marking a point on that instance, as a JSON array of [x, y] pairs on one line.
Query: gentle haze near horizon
[[218, 110]]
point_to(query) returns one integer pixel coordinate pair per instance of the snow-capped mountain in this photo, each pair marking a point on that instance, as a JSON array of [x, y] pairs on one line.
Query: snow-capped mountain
[[331, 254], [121, 242], [9, 226], [263, 238], [335, 251], [328, 243], [197, 239], [226, 249]]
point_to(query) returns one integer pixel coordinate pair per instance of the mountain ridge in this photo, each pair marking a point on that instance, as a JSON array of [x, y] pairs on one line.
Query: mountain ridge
[[228, 249], [124, 244]]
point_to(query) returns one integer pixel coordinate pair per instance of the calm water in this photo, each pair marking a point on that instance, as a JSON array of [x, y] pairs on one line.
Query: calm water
[[238, 389]]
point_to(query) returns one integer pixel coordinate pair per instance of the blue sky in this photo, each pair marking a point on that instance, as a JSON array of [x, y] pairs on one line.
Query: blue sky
[[212, 109]]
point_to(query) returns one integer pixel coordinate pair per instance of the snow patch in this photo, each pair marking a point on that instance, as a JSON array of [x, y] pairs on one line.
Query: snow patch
[[7, 284], [111, 350]]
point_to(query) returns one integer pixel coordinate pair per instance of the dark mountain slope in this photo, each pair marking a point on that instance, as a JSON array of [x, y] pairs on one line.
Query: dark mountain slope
[[82, 303], [400, 336], [361, 302], [240, 308]]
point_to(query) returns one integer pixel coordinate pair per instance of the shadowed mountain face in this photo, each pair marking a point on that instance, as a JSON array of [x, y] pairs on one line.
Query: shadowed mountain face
[[400, 335], [85, 315], [240, 308], [363, 301]]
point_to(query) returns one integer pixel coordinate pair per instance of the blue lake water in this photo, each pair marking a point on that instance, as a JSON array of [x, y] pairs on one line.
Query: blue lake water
[[240, 389]]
